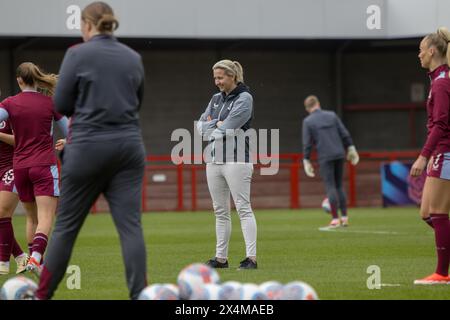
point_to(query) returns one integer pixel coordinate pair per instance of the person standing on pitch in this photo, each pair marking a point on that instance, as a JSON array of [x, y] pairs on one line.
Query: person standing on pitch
[[225, 120], [8, 203], [31, 114], [434, 55], [326, 131], [101, 87]]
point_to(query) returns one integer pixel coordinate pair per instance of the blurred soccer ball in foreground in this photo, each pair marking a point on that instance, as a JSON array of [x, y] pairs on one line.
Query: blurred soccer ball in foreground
[[272, 289], [298, 290], [231, 290], [160, 292], [251, 291], [194, 276], [18, 288], [209, 291]]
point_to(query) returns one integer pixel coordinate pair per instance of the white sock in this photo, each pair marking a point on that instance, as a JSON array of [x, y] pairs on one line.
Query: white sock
[[37, 256], [5, 263]]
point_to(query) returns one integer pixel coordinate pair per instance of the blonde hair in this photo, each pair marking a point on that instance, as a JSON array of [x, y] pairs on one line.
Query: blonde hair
[[231, 68], [32, 75], [440, 40], [311, 101], [101, 15]]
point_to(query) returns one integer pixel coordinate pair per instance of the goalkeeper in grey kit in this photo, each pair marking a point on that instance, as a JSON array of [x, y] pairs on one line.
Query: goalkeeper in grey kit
[[326, 131]]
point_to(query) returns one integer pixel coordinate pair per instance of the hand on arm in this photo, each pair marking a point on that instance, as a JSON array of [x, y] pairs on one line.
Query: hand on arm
[[206, 124], [238, 116]]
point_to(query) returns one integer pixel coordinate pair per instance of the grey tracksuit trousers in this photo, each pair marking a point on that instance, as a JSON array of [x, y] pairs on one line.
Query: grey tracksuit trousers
[[234, 178], [332, 172], [114, 168]]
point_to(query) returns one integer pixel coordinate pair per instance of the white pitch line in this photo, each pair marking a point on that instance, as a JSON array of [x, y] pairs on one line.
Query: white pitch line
[[328, 229], [390, 284]]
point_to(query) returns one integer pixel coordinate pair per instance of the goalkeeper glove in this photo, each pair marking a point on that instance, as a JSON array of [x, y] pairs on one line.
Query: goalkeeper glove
[[309, 169], [352, 155]]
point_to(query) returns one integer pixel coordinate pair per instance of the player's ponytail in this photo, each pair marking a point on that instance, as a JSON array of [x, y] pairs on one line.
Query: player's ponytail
[[445, 35], [101, 15], [32, 75], [232, 68], [440, 40], [239, 72]]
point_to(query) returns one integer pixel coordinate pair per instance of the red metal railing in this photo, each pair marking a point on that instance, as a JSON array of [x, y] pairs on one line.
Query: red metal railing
[[290, 161]]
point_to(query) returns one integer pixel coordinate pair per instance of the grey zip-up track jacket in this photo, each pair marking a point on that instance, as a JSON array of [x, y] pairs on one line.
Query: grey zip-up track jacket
[[228, 142]]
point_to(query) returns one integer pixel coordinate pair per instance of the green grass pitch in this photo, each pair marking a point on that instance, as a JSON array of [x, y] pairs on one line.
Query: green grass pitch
[[290, 247]]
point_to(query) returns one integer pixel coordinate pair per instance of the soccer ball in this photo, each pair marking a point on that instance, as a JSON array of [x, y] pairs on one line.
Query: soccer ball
[[18, 288], [193, 276], [210, 291], [298, 290], [272, 289], [231, 290], [326, 205], [251, 291], [150, 292], [158, 291]]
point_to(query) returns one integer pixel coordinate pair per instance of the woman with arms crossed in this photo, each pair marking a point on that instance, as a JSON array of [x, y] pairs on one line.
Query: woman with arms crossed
[[228, 115]]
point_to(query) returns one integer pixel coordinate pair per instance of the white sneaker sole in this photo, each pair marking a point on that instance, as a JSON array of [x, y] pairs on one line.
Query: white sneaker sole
[[327, 228]]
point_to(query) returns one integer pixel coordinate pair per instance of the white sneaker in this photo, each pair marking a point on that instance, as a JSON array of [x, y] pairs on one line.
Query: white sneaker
[[22, 262], [344, 221], [4, 268]]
